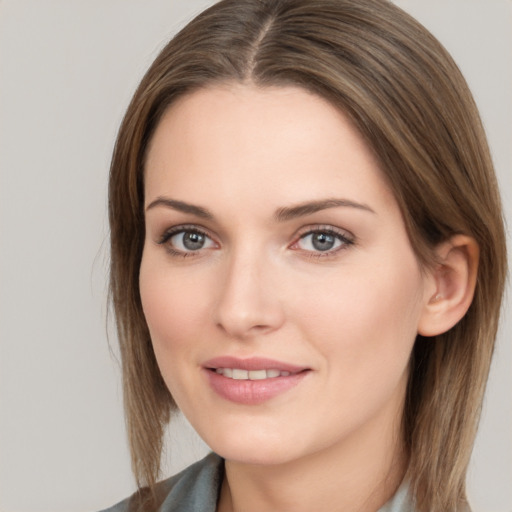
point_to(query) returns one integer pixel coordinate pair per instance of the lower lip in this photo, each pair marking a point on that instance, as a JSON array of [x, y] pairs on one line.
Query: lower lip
[[252, 392]]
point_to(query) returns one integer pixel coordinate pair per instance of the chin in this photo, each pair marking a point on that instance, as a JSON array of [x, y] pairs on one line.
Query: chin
[[253, 455], [252, 447]]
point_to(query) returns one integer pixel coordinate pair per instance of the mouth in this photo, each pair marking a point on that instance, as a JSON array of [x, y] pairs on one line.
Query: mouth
[[252, 381], [241, 374], [253, 368]]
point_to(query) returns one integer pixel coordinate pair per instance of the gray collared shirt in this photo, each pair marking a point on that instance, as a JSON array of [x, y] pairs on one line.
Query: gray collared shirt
[[196, 489]]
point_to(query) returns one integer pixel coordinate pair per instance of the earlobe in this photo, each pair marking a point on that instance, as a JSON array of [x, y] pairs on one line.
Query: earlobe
[[452, 285]]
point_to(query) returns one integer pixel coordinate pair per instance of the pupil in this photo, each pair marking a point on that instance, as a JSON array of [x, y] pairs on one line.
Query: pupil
[[323, 241], [193, 241]]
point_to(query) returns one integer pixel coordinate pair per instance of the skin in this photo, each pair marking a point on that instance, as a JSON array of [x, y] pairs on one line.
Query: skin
[[259, 287]]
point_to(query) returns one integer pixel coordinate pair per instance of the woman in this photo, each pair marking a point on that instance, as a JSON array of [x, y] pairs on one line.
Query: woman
[[308, 260]]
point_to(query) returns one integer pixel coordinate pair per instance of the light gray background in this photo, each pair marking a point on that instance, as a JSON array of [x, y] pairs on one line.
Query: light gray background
[[67, 71]]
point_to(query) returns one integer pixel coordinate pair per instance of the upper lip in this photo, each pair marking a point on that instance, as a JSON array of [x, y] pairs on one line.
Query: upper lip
[[252, 363]]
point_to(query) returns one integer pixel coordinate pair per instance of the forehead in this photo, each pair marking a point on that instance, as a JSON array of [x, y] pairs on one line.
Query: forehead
[[254, 115], [283, 144]]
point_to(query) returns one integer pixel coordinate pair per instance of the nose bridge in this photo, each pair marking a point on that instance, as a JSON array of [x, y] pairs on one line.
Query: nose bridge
[[248, 303]]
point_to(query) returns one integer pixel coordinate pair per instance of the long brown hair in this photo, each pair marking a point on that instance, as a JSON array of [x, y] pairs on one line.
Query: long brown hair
[[408, 99]]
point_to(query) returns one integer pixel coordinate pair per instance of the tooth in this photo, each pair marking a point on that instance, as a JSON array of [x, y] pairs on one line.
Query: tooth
[[240, 374], [257, 374]]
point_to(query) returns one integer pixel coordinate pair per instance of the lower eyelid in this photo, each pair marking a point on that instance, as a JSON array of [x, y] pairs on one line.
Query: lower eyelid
[[344, 241], [344, 238]]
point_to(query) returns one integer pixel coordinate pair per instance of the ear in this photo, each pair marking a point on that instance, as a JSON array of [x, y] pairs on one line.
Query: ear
[[450, 285]]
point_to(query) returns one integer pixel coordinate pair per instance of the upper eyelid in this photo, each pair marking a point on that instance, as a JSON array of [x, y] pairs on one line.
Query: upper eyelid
[[346, 238], [306, 230], [185, 227], [300, 233]]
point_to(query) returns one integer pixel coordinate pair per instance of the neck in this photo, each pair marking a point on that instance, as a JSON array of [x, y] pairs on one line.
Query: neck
[[359, 475]]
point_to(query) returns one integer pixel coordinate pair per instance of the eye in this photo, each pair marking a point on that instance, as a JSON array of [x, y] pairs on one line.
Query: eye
[[184, 241], [325, 241]]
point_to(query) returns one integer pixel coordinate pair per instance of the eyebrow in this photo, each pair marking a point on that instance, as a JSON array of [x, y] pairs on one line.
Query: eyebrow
[[310, 207], [181, 206], [281, 215]]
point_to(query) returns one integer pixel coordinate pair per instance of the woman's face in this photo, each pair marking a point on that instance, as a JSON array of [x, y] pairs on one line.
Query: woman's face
[[277, 279]]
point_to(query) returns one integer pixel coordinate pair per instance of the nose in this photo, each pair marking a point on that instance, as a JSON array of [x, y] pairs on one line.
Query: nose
[[249, 303]]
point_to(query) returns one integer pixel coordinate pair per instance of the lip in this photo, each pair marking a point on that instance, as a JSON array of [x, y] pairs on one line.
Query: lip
[[252, 392], [252, 363]]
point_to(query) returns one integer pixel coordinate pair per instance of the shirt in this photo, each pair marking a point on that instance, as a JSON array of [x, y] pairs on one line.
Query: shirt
[[196, 489]]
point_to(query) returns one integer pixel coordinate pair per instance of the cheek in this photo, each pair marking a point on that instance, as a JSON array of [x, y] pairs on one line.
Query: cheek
[[174, 309], [366, 321], [176, 314]]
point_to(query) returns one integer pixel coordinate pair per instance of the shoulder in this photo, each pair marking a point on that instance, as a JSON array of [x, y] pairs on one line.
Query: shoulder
[[195, 488], [403, 501]]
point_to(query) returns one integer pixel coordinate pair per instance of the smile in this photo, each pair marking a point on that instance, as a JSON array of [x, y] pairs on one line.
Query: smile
[[252, 381], [241, 374]]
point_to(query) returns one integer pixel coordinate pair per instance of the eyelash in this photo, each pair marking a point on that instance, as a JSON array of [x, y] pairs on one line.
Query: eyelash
[[343, 237], [164, 239]]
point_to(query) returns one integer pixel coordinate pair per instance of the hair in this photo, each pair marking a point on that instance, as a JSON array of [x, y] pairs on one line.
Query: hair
[[406, 96]]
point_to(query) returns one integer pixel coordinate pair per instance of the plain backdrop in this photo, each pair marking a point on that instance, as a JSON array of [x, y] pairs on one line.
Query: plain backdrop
[[67, 71]]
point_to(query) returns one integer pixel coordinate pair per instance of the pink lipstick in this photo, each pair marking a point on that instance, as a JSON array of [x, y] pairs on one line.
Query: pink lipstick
[[251, 381]]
